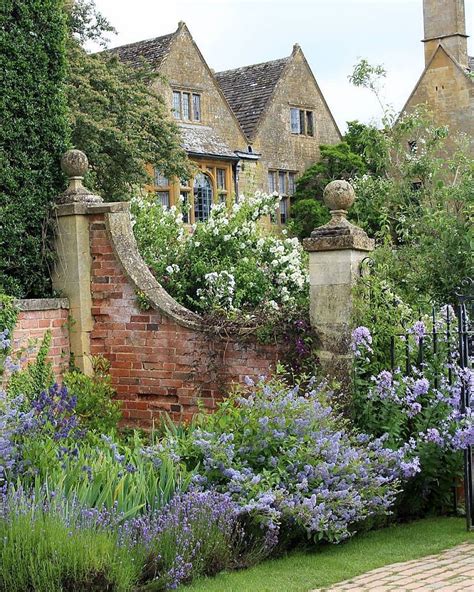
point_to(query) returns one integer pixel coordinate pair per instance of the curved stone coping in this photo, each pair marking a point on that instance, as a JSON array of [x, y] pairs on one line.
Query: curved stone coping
[[125, 247], [31, 304]]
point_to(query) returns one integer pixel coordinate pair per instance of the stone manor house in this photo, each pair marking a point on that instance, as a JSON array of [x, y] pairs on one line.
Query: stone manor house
[[256, 127]]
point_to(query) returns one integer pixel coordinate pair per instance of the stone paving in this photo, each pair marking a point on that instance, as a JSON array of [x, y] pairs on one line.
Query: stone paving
[[449, 571]]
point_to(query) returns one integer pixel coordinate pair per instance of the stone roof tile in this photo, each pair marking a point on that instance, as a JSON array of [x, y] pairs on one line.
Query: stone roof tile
[[248, 91], [152, 51], [201, 139]]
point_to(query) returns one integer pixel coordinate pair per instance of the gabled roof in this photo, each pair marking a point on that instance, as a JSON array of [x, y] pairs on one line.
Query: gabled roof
[[153, 51], [440, 48], [249, 89]]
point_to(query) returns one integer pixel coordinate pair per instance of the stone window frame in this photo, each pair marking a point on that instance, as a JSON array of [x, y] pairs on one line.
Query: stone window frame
[[190, 95], [220, 174], [303, 123]]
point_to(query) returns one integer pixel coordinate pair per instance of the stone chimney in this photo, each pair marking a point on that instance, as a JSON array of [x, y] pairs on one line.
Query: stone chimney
[[445, 24]]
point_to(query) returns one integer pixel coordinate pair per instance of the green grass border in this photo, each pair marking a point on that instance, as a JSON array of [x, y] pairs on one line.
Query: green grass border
[[327, 565]]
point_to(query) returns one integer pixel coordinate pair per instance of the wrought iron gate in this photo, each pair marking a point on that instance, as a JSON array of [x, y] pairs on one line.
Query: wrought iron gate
[[465, 315]]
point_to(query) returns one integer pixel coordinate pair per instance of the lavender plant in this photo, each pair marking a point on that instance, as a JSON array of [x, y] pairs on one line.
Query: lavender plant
[[292, 464], [198, 533]]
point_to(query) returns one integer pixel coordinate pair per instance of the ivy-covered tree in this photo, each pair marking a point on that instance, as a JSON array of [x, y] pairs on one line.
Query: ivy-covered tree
[[34, 133]]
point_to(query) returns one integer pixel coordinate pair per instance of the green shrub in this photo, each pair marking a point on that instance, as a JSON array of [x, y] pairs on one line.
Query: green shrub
[[229, 263], [34, 134], [96, 407], [305, 216], [36, 376], [291, 463]]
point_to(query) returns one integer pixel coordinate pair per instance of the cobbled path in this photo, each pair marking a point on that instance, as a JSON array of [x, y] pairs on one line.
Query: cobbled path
[[449, 571]]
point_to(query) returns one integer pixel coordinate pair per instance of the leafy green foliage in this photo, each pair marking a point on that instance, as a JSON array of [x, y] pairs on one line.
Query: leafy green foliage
[[228, 263], [366, 75], [36, 376], [337, 162], [96, 407], [45, 554], [34, 134], [121, 123], [421, 210], [305, 216]]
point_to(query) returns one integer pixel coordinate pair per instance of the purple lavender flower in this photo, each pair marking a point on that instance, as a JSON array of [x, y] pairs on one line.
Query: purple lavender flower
[[4, 339], [361, 340], [419, 331]]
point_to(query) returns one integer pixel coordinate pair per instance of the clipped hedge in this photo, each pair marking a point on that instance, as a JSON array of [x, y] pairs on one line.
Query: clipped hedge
[[34, 133]]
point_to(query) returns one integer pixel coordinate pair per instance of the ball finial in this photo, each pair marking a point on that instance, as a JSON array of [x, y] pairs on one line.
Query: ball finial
[[339, 196], [74, 163]]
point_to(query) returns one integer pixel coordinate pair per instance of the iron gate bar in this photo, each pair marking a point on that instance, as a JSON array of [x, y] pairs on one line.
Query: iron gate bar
[[465, 299]]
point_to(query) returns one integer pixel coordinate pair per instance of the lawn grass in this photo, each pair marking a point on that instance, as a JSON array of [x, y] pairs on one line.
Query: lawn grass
[[301, 572]]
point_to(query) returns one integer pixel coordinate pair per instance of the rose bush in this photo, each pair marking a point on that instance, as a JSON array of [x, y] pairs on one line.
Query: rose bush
[[228, 263]]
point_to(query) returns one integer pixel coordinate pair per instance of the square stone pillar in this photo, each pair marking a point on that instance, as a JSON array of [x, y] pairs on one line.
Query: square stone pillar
[[336, 251], [72, 273]]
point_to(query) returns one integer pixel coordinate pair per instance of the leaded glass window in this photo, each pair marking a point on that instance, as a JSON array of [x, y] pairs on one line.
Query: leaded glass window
[[163, 198], [309, 123], [291, 183], [176, 105], [185, 107], [272, 185], [284, 210], [295, 121], [196, 107], [301, 122], [202, 197], [282, 182]]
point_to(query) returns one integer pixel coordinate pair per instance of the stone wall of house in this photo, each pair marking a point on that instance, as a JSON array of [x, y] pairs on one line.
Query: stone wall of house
[[449, 94], [34, 319], [185, 69], [280, 149]]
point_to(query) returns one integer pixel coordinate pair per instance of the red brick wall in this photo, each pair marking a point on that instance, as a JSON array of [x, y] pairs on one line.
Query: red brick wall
[[34, 319], [157, 364]]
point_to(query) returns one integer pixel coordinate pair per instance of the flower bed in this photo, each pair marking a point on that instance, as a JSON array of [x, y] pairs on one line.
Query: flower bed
[[84, 510]]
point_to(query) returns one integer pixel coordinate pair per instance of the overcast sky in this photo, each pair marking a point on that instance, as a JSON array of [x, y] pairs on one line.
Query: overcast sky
[[333, 34]]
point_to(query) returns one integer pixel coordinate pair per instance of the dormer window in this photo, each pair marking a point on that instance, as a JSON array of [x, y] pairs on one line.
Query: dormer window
[[186, 106], [301, 121]]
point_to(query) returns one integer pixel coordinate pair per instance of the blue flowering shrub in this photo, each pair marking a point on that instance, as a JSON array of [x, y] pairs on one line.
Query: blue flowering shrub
[[420, 409], [291, 463]]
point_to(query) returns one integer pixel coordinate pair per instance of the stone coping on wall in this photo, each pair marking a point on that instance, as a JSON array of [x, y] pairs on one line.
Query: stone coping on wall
[[120, 231], [31, 304]]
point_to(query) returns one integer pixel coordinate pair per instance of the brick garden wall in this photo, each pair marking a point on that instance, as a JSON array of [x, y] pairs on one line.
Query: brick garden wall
[[156, 363], [34, 319]]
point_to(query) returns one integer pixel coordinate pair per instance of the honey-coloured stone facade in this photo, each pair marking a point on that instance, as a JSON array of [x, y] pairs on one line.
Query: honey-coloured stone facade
[[244, 122], [446, 86]]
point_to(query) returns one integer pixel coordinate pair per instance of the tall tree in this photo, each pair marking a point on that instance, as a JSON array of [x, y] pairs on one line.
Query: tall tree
[[34, 133], [117, 118]]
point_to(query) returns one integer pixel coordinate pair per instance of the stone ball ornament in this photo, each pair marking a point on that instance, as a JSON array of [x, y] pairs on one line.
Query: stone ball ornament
[[74, 163], [339, 195]]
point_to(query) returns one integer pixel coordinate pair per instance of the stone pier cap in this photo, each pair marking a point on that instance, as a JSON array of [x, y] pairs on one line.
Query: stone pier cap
[[338, 233]]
